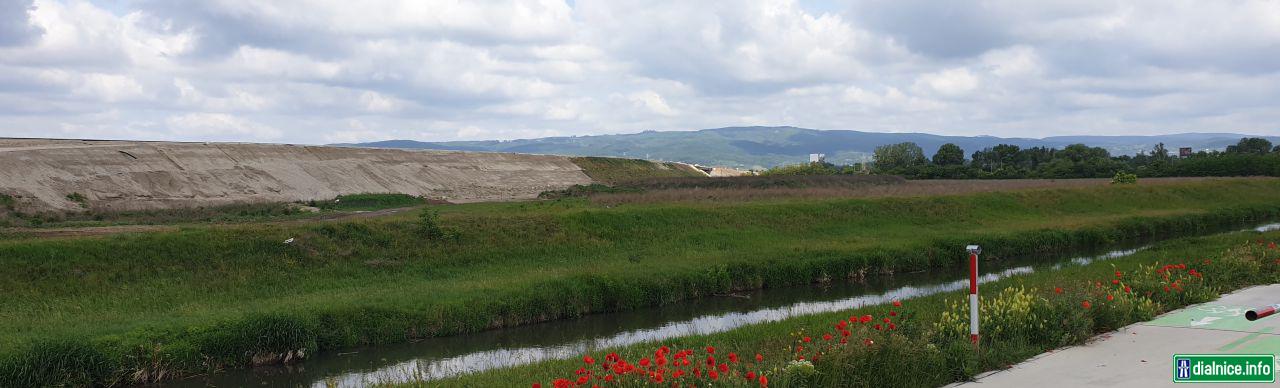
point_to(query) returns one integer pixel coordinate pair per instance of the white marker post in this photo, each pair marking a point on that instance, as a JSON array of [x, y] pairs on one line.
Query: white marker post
[[974, 251]]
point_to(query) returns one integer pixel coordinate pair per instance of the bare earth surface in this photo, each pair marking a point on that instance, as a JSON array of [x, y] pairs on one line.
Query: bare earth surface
[[132, 175]]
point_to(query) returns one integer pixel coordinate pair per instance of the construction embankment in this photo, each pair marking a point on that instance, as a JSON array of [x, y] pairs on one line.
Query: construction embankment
[[70, 175]]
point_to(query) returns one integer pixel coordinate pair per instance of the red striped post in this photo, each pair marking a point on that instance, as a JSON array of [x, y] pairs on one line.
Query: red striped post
[[974, 251], [1261, 312]]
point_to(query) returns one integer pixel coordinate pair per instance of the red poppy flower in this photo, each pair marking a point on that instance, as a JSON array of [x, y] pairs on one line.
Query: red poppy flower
[[562, 383], [826, 337], [1110, 298], [807, 339], [759, 357], [1115, 281], [886, 320], [711, 349], [751, 375], [1086, 304], [724, 368], [583, 380], [713, 374], [588, 360], [677, 374], [537, 385], [764, 381], [866, 318], [644, 362], [1118, 274], [1127, 289], [877, 326], [711, 360], [892, 326], [608, 378], [897, 303], [733, 357], [845, 333], [1057, 290]]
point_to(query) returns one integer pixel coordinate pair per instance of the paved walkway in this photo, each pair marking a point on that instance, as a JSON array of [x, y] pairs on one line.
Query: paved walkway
[[1141, 355]]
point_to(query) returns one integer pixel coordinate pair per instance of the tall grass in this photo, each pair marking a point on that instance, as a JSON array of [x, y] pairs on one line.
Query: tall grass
[[159, 305], [765, 182], [715, 191]]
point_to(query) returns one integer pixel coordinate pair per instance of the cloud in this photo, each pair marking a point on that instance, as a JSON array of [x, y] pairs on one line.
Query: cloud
[[15, 25], [217, 126], [316, 71], [950, 82]]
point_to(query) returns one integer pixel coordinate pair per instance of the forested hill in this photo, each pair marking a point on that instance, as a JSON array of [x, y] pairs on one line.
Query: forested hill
[[754, 147]]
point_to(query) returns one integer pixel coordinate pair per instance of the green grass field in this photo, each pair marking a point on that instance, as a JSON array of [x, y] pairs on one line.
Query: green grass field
[[135, 307], [1024, 316]]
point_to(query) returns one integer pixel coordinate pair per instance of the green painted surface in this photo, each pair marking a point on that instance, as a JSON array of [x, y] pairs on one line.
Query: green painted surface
[[1256, 337], [1267, 343], [1209, 316], [1245, 339]]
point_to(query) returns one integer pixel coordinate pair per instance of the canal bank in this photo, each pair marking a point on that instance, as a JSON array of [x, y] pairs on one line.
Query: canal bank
[[1141, 355], [443, 358]]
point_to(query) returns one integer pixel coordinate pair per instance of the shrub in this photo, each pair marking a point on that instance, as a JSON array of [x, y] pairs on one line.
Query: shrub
[[7, 202], [1124, 178], [368, 201], [78, 198], [429, 226]]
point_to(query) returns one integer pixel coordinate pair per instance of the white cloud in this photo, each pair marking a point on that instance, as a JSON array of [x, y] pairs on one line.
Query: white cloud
[[217, 126], [653, 102], [323, 71], [950, 82]]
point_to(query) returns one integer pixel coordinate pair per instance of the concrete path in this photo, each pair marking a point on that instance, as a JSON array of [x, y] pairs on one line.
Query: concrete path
[[1141, 355]]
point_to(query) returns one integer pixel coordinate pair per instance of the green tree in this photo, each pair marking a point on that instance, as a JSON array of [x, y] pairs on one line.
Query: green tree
[[1000, 156], [949, 155], [1250, 145], [897, 156]]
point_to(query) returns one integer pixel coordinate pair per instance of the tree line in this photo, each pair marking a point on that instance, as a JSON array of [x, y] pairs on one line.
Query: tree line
[[1248, 157]]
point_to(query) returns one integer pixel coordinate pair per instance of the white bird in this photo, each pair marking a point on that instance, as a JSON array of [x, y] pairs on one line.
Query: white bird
[[290, 240]]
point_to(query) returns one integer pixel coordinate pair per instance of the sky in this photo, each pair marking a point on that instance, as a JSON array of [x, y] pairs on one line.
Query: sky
[[329, 71]]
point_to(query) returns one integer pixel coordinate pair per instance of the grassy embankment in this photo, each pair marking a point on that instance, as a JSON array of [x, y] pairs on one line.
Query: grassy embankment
[[1023, 316], [10, 216], [139, 307], [616, 170]]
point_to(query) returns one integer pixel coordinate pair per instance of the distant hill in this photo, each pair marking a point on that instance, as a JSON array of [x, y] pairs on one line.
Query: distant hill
[[755, 147]]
